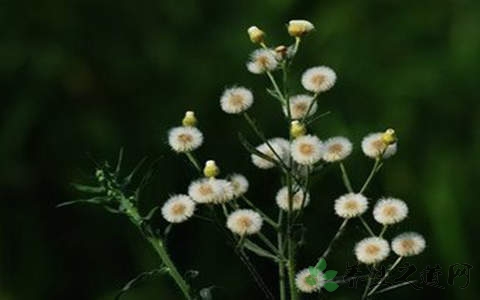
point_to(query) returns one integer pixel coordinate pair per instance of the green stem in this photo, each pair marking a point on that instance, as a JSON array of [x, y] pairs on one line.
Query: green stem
[[345, 178], [265, 217], [384, 229], [276, 87], [269, 244], [281, 262], [369, 282], [370, 231], [335, 238], [385, 276], [194, 161], [370, 176]]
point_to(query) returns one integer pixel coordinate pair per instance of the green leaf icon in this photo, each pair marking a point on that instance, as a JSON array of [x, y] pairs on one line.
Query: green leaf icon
[[321, 265], [311, 280], [331, 286], [329, 275], [314, 272]]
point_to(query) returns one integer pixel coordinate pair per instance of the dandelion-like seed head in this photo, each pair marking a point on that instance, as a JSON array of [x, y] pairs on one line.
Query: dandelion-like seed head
[[408, 244], [374, 146], [304, 286], [185, 139], [256, 35], [263, 163], [372, 250], [299, 106], [239, 184], [298, 28], [204, 190], [389, 211], [178, 208], [318, 79], [307, 150], [244, 222], [236, 100], [261, 61], [351, 205], [225, 191], [299, 199], [337, 149]]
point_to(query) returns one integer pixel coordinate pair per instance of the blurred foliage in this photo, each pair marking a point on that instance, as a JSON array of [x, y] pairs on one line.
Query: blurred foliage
[[82, 78]]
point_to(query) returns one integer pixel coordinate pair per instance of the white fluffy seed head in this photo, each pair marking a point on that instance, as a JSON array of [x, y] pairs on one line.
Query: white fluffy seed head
[[372, 250], [408, 244], [299, 105], [304, 286], [236, 100], [265, 149], [244, 222], [185, 138], [226, 191], [284, 144], [389, 211], [261, 61], [298, 198], [337, 149], [373, 146], [307, 150], [178, 209], [239, 184], [318, 79], [351, 205], [204, 190]]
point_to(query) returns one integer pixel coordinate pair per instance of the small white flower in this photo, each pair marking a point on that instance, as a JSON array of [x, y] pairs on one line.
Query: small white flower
[[265, 149], [178, 208], [337, 149], [185, 138], [318, 79], [226, 191], [373, 146], [244, 222], [239, 184], [408, 244], [236, 100], [304, 286], [297, 198], [261, 61], [298, 28], [299, 106], [307, 149], [389, 211], [351, 205], [372, 250], [204, 190]]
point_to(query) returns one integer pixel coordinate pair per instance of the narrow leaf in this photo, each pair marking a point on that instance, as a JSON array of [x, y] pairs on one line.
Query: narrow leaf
[[135, 281], [331, 286], [119, 161], [150, 214], [94, 200], [88, 189], [258, 250], [252, 150]]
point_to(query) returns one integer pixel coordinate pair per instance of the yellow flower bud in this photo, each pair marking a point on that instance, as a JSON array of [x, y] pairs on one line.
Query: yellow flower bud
[[297, 129], [189, 119], [389, 137], [256, 34], [298, 28], [211, 169]]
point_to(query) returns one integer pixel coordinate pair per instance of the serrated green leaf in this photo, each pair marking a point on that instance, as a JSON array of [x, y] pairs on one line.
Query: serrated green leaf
[[313, 271], [329, 275], [331, 286], [310, 280], [321, 265]]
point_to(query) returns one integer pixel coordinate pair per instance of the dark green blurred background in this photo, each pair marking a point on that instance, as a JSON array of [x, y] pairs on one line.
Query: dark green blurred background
[[82, 78]]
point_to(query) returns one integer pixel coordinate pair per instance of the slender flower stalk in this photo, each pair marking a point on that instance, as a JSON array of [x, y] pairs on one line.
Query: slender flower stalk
[[395, 264], [335, 238]]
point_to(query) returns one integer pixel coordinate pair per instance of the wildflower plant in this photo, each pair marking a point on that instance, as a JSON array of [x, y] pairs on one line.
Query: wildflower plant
[[299, 155]]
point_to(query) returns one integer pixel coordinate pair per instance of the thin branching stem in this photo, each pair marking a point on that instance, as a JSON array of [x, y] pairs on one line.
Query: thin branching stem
[[367, 227], [335, 238], [281, 263], [194, 161], [276, 87], [345, 178], [371, 175], [399, 259], [384, 229], [264, 215], [269, 244]]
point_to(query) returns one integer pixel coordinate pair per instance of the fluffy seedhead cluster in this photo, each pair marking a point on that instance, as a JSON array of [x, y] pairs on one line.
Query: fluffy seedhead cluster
[[298, 155]]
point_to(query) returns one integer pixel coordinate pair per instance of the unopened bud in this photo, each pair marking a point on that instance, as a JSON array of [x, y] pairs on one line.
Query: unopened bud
[[211, 169], [298, 28], [297, 129], [389, 137], [256, 35], [189, 119]]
